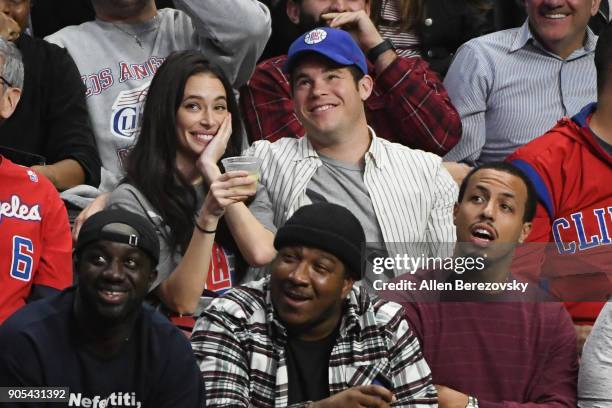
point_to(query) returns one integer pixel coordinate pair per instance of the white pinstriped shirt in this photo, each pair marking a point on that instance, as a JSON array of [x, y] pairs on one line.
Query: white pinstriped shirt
[[509, 90], [411, 192]]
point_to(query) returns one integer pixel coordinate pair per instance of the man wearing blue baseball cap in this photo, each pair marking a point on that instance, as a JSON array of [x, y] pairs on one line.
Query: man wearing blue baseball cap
[[408, 105], [337, 45], [399, 195]]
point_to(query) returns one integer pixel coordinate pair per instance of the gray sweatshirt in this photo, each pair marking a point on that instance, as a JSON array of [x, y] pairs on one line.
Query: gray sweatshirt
[[595, 377], [117, 62]]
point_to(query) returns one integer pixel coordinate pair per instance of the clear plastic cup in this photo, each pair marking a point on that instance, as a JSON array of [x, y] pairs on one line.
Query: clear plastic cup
[[244, 163]]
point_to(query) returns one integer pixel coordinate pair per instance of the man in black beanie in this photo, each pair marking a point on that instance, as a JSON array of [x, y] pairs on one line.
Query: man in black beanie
[[97, 338], [306, 336]]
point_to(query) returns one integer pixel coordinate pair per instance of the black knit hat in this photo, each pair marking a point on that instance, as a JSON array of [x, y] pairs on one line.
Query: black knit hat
[[329, 227], [120, 226]]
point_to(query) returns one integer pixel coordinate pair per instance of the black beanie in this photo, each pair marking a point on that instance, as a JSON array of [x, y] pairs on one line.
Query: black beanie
[[329, 227]]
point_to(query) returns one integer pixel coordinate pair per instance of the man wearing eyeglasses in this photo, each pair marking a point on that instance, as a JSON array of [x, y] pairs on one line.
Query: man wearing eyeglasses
[[35, 240], [50, 129], [10, 93]]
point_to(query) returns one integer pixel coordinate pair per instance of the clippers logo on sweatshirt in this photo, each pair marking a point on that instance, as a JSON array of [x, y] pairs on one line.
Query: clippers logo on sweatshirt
[[126, 114], [126, 110], [583, 230], [220, 272]]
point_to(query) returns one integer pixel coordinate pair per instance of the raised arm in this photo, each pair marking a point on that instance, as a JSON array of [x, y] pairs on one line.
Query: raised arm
[[181, 291], [232, 32], [410, 96], [254, 241], [181, 285]]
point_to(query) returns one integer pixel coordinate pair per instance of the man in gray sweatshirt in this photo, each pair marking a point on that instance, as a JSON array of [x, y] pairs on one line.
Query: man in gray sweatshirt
[[118, 53]]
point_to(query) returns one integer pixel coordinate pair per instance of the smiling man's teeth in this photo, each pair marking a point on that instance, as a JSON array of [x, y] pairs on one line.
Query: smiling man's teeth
[[322, 108], [555, 16]]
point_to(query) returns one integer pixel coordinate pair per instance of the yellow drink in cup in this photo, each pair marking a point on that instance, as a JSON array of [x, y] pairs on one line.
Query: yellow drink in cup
[[247, 189], [244, 163]]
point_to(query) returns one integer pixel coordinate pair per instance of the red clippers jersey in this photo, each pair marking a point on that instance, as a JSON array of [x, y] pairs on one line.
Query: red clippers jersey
[[572, 175], [35, 241]]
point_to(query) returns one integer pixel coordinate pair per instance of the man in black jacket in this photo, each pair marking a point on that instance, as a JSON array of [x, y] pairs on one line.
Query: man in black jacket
[[50, 129], [98, 339]]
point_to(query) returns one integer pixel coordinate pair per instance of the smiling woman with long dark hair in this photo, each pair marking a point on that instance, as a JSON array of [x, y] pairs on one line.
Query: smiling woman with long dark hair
[[190, 121]]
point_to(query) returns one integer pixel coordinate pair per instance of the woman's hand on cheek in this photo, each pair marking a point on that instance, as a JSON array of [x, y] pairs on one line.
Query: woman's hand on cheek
[[212, 153]]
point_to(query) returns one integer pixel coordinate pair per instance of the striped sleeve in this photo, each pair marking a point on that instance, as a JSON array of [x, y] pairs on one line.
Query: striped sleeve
[[467, 84], [412, 381], [441, 232], [222, 359]]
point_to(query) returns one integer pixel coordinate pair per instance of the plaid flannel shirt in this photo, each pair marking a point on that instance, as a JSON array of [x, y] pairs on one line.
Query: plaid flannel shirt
[[408, 105], [240, 346]]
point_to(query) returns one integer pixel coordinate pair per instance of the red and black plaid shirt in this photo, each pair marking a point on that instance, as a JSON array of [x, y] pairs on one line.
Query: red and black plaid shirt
[[409, 105]]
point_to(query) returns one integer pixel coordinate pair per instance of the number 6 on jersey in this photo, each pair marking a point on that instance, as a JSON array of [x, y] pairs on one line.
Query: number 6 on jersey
[[21, 264]]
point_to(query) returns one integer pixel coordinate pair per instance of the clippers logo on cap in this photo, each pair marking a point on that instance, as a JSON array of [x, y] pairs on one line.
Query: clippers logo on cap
[[315, 36], [33, 176]]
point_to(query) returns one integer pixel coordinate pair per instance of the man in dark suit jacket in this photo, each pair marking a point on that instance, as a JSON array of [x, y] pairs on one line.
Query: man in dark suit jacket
[[602, 18]]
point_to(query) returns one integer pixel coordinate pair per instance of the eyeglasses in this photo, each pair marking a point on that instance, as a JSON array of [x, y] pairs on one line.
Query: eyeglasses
[[6, 82]]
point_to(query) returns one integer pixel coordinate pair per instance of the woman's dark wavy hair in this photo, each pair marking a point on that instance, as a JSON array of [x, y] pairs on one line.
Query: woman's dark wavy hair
[[413, 12], [151, 165]]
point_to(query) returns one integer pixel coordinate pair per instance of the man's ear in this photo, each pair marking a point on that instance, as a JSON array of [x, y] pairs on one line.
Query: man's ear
[[347, 284], [525, 231], [293, 11], [368, 7], [152, 276], [595, 7], [11, 98], [365, 86]]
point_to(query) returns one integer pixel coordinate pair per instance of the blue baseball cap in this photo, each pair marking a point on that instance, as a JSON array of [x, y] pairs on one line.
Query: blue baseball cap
[[337, 45]]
